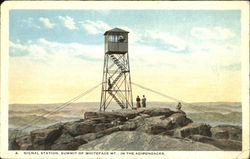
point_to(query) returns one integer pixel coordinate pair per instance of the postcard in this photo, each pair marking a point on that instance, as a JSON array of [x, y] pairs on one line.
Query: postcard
[[125, 79]]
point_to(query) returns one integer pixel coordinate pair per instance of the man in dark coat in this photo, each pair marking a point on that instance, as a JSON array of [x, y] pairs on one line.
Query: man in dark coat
[[138, 102]]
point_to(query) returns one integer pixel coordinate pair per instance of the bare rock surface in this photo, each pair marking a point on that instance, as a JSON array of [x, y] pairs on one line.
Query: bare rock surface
[[43, 138], [23, 143], [229, 145], [67, 142], [140, 141], [193, 128], [227, 132], [142, 129]]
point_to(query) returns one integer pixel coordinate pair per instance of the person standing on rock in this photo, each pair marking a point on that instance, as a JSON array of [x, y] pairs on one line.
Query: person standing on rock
[[143, 101], [178, 107], [138, 102]]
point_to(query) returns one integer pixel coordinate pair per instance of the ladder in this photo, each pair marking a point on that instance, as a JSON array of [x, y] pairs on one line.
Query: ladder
[[116, 79], [117, 100], [116, 61]]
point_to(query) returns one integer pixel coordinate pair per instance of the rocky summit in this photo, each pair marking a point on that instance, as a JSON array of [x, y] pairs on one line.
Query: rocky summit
[[145, 129]]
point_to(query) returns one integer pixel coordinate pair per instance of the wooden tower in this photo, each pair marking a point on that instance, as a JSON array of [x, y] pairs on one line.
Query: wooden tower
[[116, 81]]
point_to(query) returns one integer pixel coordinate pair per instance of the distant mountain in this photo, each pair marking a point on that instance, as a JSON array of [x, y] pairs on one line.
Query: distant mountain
[[233, 118]]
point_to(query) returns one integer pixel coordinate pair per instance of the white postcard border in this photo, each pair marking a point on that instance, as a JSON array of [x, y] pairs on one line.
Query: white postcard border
[[213, 5]]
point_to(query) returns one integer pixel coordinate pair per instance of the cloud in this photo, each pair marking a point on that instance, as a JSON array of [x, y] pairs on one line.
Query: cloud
[[31, 51], [141, 54], [17, 50], [47, 69], [29, 22], [174, 43], [95, 27], [43, 50], [80, 66], [133, 36], [46, 22], [167, 42], [99, 27], [216, 33], [68, 22], [145, 55]]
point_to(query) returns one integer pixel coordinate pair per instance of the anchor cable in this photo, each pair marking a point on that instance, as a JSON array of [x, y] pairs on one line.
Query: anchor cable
[[25, 126]]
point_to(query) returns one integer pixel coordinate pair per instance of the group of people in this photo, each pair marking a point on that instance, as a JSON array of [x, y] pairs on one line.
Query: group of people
[[141, 102]]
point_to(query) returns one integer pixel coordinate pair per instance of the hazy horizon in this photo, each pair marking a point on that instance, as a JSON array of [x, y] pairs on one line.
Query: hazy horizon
[[211, 113], [134, 102]]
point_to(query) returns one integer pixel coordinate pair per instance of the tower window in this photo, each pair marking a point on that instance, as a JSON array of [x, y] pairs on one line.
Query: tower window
[[111, 38], [116, 38]]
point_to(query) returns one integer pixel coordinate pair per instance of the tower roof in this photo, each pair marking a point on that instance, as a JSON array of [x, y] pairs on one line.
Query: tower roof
[[116, 30]]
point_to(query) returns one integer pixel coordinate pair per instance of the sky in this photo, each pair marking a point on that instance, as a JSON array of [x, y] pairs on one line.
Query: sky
[[192, 55]]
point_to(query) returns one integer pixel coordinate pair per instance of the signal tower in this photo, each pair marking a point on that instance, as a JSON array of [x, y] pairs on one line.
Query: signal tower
[[116, 81]]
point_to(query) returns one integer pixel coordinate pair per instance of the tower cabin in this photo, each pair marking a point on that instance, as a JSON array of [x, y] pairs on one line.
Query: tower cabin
[[116, 41]]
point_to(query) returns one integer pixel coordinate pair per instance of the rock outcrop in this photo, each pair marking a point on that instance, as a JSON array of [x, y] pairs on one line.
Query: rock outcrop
[[41, 139], [142, 129]]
